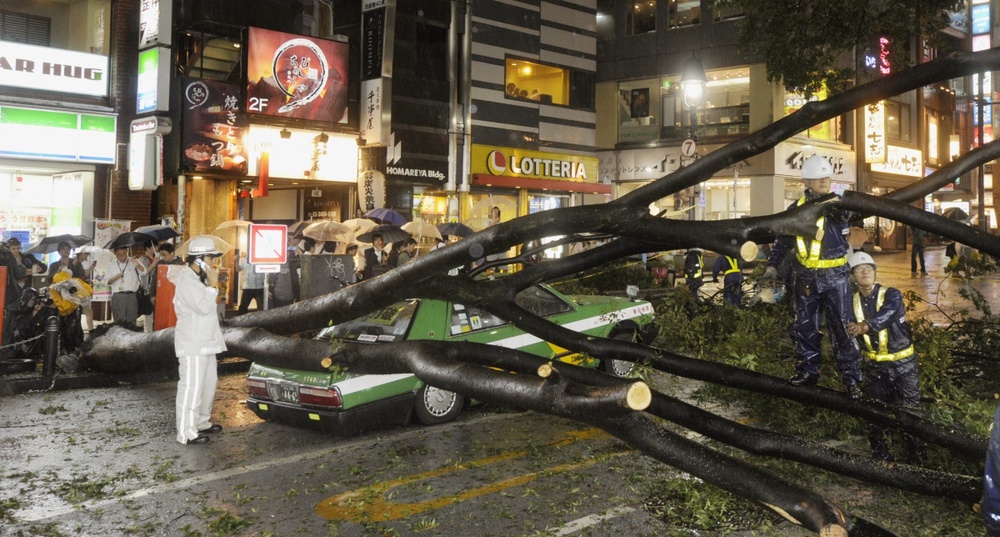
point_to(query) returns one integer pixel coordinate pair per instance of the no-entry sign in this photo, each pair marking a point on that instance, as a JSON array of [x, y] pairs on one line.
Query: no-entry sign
[[268, 244]]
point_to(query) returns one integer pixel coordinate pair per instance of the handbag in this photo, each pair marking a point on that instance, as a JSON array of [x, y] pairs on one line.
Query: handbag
[[142, 296], [145, 303]]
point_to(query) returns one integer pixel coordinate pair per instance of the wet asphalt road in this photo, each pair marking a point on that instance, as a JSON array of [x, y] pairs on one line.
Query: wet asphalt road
[[105, 462]]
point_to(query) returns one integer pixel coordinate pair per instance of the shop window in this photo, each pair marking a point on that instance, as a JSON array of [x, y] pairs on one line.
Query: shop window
[[685, 13], [725, 112], [23, 28], [59, 25], [897, 121], [547, 84], [827, 130], [641, 18]]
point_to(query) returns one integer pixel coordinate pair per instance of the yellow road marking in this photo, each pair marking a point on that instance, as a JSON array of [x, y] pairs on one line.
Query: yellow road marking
[[369, 504]]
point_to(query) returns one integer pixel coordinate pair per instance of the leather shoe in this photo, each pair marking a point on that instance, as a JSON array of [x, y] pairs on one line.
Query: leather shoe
[[215, 428], [854, 392], [803, 379], [201, 439]]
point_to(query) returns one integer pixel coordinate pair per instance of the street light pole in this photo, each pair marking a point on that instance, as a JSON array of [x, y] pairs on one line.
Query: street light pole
[[693, 79]]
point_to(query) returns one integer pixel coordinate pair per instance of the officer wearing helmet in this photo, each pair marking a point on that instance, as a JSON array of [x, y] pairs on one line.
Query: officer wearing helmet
[[821, 283], [878, 321], [197, 339]]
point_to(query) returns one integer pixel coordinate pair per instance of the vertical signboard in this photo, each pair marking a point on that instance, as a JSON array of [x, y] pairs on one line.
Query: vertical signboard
[[153, 88], [295, 76], [145, 158], [377, 30], [155, 19], [214, 127], [875, 132]]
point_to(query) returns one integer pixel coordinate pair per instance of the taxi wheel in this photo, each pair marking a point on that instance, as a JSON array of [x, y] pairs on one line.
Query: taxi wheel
[[435, 405], [619, 368]]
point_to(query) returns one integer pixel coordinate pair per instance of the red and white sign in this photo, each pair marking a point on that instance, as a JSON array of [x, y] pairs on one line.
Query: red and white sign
[[268, 244]]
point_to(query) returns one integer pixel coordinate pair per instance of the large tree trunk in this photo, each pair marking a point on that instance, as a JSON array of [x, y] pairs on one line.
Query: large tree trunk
[[592, 397]]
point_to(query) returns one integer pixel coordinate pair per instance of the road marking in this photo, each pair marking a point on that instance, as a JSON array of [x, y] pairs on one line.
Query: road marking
[[369, 504], [580, 524], [44, 513]]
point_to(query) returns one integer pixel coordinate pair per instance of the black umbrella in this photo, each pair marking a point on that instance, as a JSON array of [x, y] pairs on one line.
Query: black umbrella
[[51, 244], [455, 228], [130, 239], [159, 231], [389, 232], [955, 213]]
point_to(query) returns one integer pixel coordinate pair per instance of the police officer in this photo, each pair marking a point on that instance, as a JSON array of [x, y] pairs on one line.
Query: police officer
[[878, 320], [821, 281], [732, 278], [694, 261]]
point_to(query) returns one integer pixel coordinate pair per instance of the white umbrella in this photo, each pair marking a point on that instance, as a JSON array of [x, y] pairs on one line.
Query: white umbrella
[[422, 229], [232, 224], [359, 225], [327, 230]]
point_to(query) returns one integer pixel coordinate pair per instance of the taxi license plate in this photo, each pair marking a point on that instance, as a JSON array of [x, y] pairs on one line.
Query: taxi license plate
[[283, 393]]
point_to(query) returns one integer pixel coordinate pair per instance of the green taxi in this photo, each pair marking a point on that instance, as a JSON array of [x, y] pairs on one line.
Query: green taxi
[[347, 403]]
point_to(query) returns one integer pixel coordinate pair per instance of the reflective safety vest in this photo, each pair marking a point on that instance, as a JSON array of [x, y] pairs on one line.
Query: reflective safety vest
[[695, 272], [809, 257], [883, 335], [734, 266]]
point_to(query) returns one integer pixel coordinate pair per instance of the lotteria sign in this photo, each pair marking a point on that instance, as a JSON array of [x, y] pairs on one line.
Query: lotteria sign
[[53, 69], [513, 162]]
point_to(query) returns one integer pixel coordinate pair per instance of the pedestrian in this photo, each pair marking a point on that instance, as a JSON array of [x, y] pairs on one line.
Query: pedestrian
[[406, 252], [878, 321], [253, 286], [65, 261], [919, 241], [87, 310], [694, 276], [125, 281], [69, 294], [28, 261], [359, 261], [197, 340], [732, 278], [376, 260], [821, 284]]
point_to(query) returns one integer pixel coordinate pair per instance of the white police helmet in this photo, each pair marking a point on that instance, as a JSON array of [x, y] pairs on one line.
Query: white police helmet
[[860, 258], [816, 167], [202, 245]]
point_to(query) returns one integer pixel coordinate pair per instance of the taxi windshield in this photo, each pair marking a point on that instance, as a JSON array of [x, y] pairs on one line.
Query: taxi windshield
[[385, 325]]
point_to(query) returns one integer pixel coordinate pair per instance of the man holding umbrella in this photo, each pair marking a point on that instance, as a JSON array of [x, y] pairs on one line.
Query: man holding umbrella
[[124, 281]]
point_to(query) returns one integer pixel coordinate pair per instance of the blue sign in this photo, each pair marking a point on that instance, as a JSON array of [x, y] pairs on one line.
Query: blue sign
[[981, 19]]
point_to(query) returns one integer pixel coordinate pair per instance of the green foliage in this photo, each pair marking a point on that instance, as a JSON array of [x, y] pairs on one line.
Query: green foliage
[[811, 44], [616, 276], [694, 505]]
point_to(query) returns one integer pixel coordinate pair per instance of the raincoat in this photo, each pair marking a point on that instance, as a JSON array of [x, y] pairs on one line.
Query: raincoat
[[197, 331]]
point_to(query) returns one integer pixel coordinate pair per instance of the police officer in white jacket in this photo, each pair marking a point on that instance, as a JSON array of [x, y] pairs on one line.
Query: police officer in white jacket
[[197, 339]]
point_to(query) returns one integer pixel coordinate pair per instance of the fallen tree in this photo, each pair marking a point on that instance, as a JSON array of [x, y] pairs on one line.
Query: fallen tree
[[595, 398]]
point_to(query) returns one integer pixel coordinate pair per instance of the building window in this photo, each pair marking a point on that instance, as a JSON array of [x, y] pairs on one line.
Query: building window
[[727, 13], [641, 17], [23, 28], [685, 13], [547, 84], [897, 121], [828, 130]]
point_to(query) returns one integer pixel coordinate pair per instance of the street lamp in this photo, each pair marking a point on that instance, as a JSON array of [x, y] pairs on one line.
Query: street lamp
[[693, 80]]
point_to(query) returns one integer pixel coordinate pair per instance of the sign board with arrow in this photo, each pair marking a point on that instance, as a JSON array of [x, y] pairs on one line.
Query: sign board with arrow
[[268, 244]]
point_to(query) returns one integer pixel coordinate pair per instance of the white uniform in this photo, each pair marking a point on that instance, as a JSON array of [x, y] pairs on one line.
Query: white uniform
[[197, 339]]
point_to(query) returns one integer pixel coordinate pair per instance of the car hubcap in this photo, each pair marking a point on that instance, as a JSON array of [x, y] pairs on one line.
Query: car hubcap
[[438, 402]]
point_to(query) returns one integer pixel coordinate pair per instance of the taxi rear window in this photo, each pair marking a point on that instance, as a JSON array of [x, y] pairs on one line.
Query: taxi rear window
[[385, 325]]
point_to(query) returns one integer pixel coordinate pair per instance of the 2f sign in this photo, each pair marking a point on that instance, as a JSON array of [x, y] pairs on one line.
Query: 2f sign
[[257, 104]]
